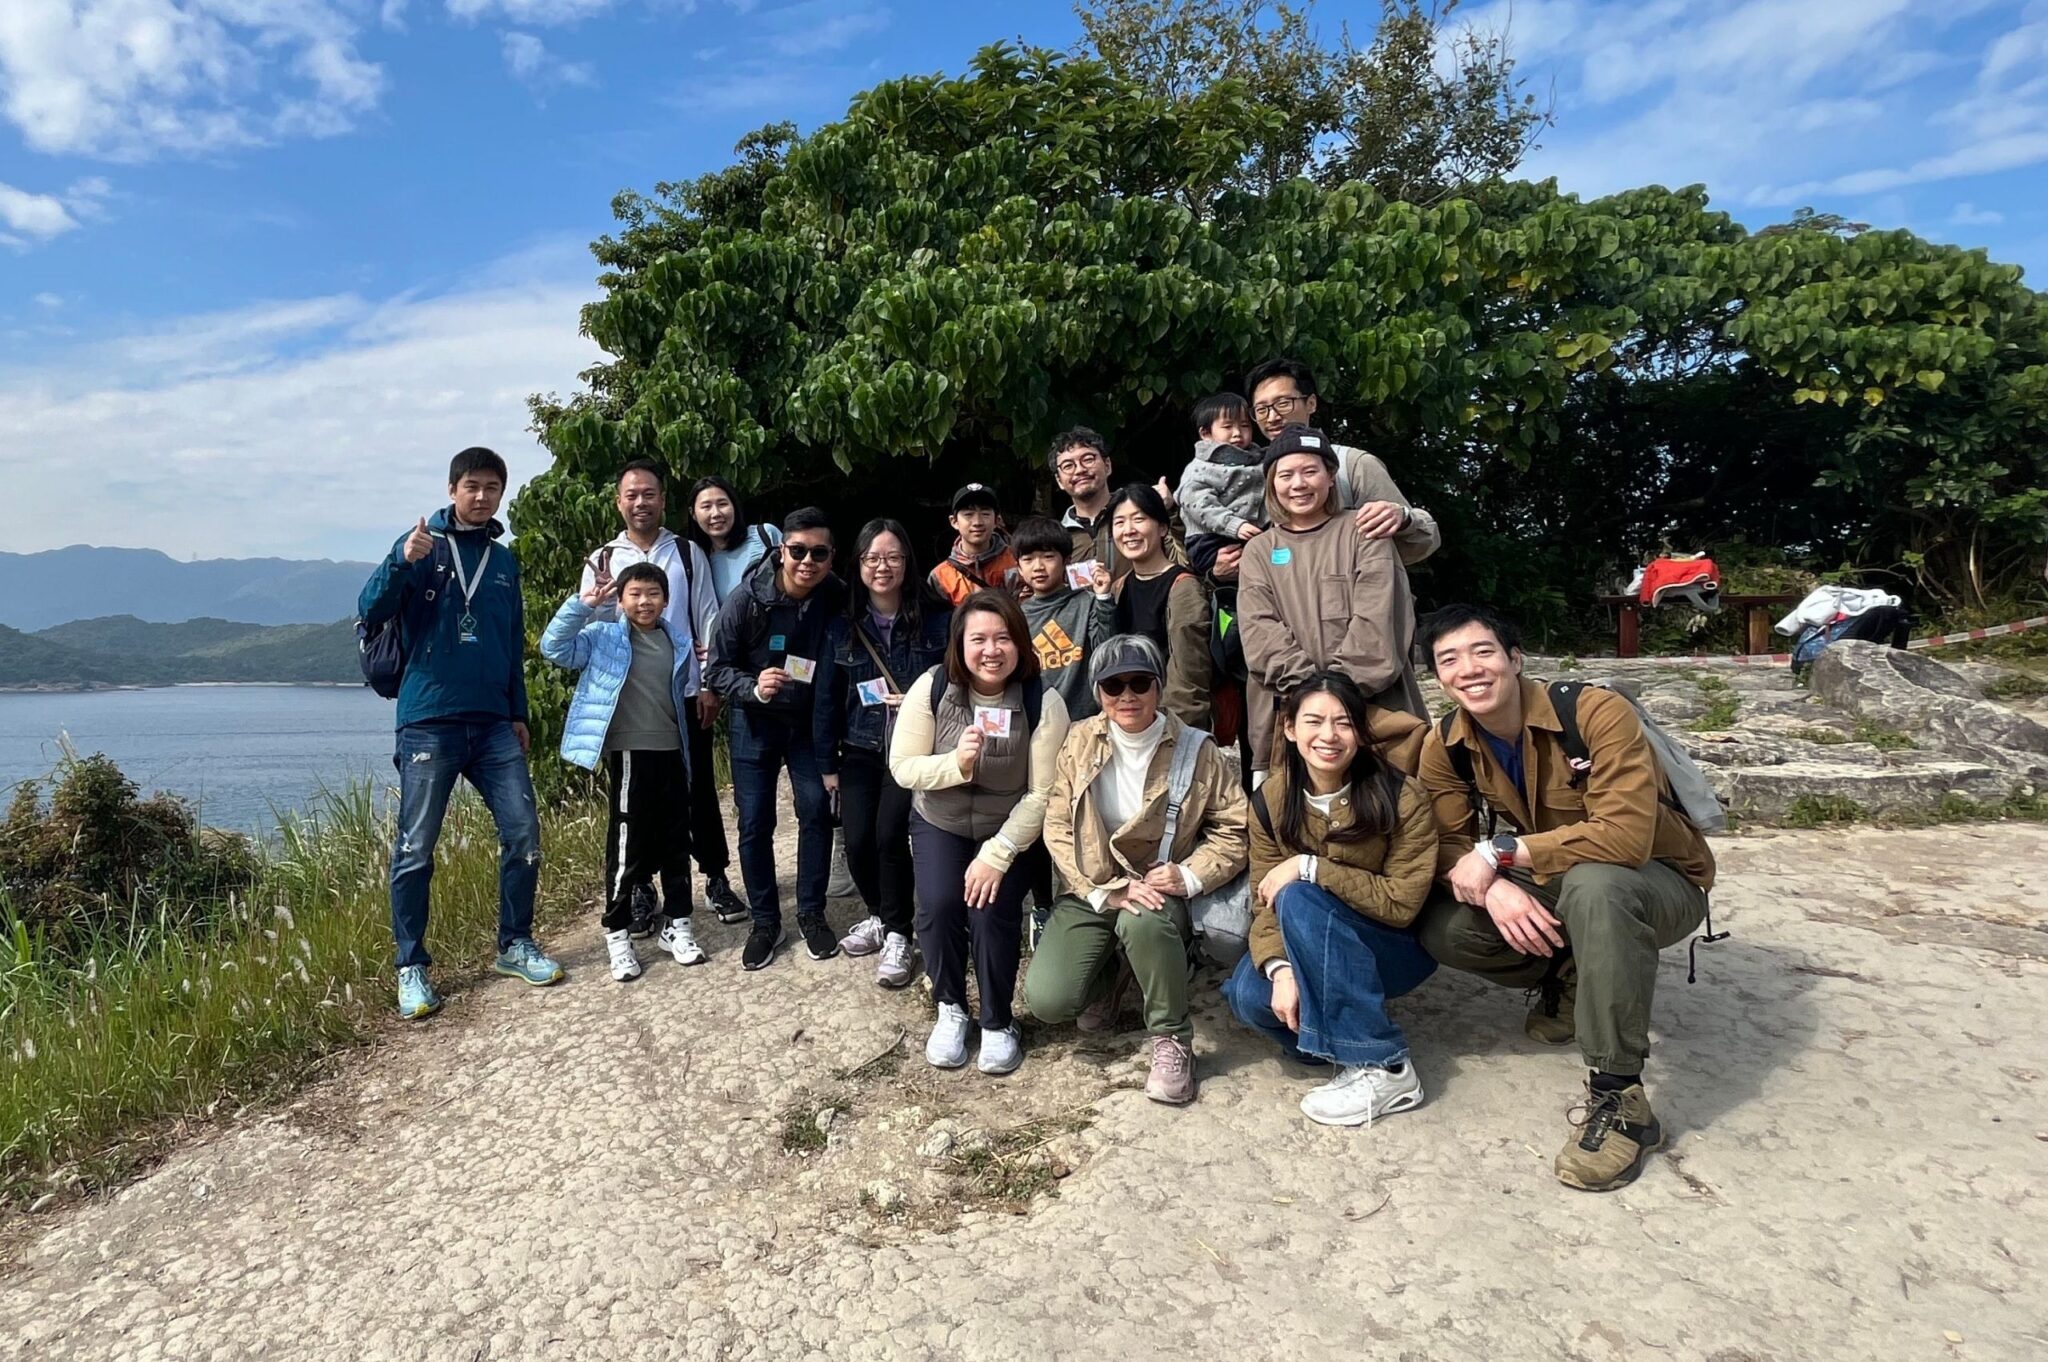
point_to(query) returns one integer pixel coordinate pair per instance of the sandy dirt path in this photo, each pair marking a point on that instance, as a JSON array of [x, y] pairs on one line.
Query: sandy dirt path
[[1855, 1092]]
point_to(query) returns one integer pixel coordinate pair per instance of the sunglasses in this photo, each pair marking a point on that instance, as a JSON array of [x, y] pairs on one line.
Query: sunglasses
[[1115, 686], [818, 553]]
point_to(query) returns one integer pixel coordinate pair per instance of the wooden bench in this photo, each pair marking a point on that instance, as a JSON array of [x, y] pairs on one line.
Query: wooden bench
[[1628, 635]]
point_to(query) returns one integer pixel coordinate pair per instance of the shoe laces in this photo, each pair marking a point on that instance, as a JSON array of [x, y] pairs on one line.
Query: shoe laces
[[1170, 1055], [895, 950], [1548, 995], [1596, 1116]]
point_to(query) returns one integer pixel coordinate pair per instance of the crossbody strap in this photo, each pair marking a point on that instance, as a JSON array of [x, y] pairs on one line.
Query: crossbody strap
[[868, 644]]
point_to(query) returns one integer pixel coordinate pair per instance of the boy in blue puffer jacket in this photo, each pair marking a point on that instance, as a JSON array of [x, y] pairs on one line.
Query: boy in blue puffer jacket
[[628, 713]]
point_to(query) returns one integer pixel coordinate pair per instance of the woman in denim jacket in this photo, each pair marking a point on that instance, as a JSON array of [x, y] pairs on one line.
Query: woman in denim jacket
[[894, 631]]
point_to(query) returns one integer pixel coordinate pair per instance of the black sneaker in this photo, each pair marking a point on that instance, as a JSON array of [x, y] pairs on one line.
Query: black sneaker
[[646, 913], [728, 905], [761, 946], [818, 937]]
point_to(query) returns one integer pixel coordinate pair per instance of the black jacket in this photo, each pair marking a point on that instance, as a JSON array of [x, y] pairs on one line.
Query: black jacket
[[759, 627]]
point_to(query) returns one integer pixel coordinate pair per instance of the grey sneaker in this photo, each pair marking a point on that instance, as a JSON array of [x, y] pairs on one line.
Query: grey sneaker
[[1172, 1079], [898, 963], [416, 997], [1001, 1050], [864, 937], [947, 1048], [523, 960]]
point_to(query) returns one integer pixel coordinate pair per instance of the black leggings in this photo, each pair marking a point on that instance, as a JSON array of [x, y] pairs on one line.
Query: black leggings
[[874, 817], [948, 931], [707, 815]]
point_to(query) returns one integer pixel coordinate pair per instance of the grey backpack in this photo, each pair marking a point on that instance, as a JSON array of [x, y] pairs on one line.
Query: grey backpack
[[1222, 916]]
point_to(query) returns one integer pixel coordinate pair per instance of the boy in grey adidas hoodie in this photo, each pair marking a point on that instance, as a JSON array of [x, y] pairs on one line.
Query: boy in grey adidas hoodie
[[1066, 623], [1222, 494]]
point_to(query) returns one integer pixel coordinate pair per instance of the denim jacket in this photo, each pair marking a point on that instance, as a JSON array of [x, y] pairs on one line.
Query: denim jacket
[[840, 720]]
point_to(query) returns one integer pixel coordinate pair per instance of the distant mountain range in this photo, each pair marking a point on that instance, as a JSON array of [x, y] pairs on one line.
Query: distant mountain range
[[38, 590], [121, 650]]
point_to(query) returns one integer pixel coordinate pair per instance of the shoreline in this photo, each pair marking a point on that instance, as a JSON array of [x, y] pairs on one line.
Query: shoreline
[[81, 687]]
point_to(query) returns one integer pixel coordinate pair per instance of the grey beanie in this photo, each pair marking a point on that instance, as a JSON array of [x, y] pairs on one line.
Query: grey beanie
[[1125, 655]]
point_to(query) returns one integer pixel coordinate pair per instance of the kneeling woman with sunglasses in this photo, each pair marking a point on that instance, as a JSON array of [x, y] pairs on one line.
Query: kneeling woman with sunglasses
[[975, 741], [1343, 852], [1127, 891]]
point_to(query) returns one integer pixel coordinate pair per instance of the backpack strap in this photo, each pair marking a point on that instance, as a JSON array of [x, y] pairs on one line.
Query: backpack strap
[[938, 676], [1034, 701], [1461, 764], [761, 533], [1564, 698], [1179, 780], [1259, 809]]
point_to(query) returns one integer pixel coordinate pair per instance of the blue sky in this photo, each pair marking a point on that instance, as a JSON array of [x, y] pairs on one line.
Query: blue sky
[[265, 263]]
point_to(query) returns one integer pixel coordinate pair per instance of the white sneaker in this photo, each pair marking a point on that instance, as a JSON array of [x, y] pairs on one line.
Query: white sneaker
[[898, 962], [1361, 1092], [1001, 1051], [679, 939], [625, 964], [863, 938], [947, 1048]]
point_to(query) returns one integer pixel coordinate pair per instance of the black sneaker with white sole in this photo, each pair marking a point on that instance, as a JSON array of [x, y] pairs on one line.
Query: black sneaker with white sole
[[729, 906], [819, 938], [646, 913], [762, 943]]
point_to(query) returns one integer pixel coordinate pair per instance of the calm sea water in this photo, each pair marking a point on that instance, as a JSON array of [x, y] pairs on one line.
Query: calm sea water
[[238, 752]]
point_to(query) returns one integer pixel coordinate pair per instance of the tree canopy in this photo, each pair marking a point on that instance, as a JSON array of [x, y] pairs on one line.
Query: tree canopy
[[961, 266]]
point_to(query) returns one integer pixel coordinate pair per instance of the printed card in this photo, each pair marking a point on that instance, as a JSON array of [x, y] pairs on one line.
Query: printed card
[[800, 668], [875, 692], [1081, 575], [994, 723]]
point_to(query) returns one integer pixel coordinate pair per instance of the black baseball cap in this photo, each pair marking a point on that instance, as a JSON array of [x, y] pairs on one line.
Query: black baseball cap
[[976, 494]]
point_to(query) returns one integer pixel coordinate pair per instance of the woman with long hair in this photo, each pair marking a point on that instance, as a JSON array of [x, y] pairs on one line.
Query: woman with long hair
[[893, 632], [977, 740], [1162, 600], [1343, 855], [719, 526]]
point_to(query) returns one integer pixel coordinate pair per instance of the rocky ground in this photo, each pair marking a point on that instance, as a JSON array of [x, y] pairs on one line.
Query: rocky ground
[[1854, 1089]]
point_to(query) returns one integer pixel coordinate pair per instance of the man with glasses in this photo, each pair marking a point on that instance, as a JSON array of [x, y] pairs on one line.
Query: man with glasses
[[765, 648], [1079, 459], [1283, 393]]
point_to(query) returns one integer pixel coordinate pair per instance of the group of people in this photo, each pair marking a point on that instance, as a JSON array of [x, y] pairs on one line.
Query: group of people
[[1021, 735]]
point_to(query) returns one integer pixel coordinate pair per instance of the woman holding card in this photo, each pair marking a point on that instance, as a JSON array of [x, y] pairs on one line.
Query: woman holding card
[[894, 630], [977, 740]]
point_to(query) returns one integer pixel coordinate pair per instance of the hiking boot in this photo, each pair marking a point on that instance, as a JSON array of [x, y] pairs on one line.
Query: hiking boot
[[1616, 1130], [898, 963], [1172, 1080], [416, 997], [729, 906], [1361, 1093], [625, 964], [1552, 1005], [679, 939], [1107, 1009], [818, 938], [646, 913], [947, 1048], [1001, 1050], [762, 944], [523, 960], [864, 937]]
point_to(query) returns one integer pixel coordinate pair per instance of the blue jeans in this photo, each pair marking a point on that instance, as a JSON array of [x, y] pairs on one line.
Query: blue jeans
[[1346, 966], [761, 746], [431, 756]]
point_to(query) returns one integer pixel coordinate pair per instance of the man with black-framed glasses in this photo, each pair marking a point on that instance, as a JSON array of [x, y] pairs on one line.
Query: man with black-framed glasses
[[1283, 393], [1079, 460], [765, 648]]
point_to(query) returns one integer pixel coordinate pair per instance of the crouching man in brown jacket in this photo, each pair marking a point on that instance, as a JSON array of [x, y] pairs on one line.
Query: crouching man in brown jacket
[[1588, 876]]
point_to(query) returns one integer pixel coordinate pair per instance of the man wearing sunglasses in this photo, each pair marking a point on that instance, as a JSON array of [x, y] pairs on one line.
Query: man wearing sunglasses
[[765, 646]]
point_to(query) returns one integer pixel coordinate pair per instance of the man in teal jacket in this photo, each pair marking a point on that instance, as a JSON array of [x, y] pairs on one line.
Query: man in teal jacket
[[461, 714]]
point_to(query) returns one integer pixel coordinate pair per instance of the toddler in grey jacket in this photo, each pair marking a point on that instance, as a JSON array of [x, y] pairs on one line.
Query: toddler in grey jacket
[[1223, 492]]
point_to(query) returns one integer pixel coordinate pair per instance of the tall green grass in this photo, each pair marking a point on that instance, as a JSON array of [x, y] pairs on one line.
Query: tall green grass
[[110, 1042]]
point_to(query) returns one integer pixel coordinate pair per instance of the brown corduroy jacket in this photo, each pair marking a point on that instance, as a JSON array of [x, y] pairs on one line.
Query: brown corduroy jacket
[[1619, 813]]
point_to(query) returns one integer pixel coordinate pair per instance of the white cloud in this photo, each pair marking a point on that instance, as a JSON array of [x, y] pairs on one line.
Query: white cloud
[[1970, 215], [303, 427], [808, 29], [53, 301], [538, 12], [128, 79], [41, 216], [530, 62]]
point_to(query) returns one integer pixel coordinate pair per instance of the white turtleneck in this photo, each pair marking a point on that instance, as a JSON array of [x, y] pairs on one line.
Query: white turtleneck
[[1120, 789]]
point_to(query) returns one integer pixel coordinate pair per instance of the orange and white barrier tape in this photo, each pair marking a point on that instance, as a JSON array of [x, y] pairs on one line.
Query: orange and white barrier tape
[[1972, 635], [1785, 659]]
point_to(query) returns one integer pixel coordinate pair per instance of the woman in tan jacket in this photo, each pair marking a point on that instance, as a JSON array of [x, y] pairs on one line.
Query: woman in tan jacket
[[1314, 594], [1343, 854]]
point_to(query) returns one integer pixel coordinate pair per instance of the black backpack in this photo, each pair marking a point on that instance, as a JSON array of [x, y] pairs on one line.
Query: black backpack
[[380, 652]]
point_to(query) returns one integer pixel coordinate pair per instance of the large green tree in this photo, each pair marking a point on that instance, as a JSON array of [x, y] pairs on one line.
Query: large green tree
[[931, 286]]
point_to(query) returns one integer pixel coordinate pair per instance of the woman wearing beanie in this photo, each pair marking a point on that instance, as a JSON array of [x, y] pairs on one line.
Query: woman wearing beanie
[[1127, 883], [1314, 595]]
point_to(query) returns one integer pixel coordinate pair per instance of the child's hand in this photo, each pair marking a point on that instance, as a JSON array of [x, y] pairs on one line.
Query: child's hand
[[1248, 531], [1098, 580], [1166, 495], [601, 592]]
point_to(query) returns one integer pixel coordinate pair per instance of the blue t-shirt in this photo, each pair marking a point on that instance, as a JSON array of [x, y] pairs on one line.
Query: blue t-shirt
[[1509, 756], [729, 567]]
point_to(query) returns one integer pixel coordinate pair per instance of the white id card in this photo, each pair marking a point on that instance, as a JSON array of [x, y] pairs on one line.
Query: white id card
[[994, 723], [1081, 575], [875, 692], [800, 668]]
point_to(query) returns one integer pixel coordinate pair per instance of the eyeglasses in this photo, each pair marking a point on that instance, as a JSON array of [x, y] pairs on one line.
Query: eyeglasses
[[1078, 462], [1277, 406], [1114, 686], [882, 560], [819, 553]]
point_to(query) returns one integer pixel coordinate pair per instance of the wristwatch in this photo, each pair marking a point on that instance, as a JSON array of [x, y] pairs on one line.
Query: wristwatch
[[1503, 851]]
